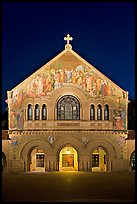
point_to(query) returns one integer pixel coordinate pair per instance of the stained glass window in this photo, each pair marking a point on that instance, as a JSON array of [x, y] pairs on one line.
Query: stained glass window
[[29, 112], [99, 112], [106, 112], [37, 112], [68, 108], [44, 112], [92, 112]]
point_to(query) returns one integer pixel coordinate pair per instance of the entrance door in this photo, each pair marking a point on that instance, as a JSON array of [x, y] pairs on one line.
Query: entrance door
[[68, 160], [39, 160], [95, 160]]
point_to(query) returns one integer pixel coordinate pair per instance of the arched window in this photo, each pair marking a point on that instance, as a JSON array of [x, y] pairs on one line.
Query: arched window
[[99, 112], [106, 112], [68, 108], [30, 112], [92, 112], [37, 112], [44, 112]]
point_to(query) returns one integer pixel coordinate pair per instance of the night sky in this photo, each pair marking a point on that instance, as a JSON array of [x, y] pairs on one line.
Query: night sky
[[33, 33]]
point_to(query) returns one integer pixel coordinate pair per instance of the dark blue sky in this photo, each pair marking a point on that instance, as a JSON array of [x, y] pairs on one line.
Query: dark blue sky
[[33, 33]]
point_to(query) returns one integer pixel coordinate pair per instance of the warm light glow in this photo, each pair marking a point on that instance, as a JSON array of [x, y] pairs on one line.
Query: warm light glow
[[68, 151], [68, 159]]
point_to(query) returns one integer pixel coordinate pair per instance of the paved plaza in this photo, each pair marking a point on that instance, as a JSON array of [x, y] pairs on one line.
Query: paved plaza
[[69, 187]]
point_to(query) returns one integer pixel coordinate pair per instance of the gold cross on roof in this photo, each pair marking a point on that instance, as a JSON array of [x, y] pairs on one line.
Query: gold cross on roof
[[68, 38]]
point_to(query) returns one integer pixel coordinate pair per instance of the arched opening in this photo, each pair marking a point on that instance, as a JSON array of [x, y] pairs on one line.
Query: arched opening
[[37, 112], [30, 112], [68, 159], [99, 160], [99, 112], [132, 161], [106, 112], [68, 108], [44, 112], [36, 159], [92, 112], [4, 162]]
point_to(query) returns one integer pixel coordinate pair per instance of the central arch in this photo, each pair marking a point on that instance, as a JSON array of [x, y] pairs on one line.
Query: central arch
[[68, 108], [68, 158]]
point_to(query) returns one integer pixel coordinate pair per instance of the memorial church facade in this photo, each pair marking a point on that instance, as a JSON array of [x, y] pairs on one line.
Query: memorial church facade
[[67, 116]]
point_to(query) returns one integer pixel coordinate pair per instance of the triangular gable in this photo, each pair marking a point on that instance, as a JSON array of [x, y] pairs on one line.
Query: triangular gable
[[49, 64]]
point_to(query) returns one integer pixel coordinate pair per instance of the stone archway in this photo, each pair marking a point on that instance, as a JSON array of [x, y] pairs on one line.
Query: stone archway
[[34, 155], [99, 159], [76, 148], [68, 158], [36, 160], [105, 151]]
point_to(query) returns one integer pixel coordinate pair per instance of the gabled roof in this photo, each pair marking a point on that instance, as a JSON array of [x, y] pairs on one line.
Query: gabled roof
[[69, 60], [66, 53]]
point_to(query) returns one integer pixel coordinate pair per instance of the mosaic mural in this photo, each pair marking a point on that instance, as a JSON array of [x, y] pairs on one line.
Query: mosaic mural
[[86, 78], [119, 115], [16, 119], [51, 78]]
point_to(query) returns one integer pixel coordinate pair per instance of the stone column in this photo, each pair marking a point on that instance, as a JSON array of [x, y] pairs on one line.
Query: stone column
[[40, 112], [51, 165], [85, 165], [33, 113], [80, 166], [89, 166], [102, 112], [57, 166], [54, 166], [95, 112], [55, 113], [47, 165]]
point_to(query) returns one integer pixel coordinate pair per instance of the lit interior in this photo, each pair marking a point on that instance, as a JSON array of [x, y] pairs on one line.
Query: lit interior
[[37, 160], [68, 159], [99, 162]]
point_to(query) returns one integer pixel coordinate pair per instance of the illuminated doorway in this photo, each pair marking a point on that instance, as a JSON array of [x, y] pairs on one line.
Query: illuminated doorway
[[37, 160], [68, 159], [99, 160], [132, 161]]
